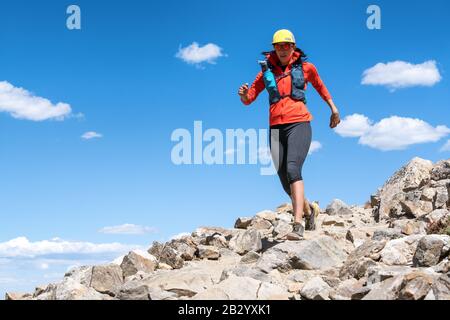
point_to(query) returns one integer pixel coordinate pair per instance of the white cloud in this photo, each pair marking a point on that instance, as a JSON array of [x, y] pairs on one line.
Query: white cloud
[[315, 146], [445, 147], [401, 74], [393, 133], [44, 266], [127, 229], [22, 247], [91, 135], [193, 54], [22, 104], [354, 125]]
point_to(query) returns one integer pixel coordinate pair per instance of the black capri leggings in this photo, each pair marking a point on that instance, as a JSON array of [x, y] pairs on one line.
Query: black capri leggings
[[289, 146]]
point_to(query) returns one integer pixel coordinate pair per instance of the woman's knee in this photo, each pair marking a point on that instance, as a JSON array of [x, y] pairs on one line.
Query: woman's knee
[[294, 173]]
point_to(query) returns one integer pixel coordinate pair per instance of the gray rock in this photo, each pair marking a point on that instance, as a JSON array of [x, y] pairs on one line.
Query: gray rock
[[316, 289], [250, 257], [245, 241], [187, 247], [357, 236], [260, 224], [415, 208], [428, 194], [137, 290], [379, 273], [361, 259], [347, 289], [319, 253], [166, 254], [282, 229], [286, 217], [185, 282], [271, 291], [443, 266], [242, 223], [17, 296], [212, 294], [133, 263], [400, 251], [436, 216], [441, 287], [386, 290], [208, 252], [267, 215], [441, 170], [412, 176], [216, 240], [69, 289], [333, 221], [387, 234], [82, 275], [338, 207], [235, 288], [417, 286], [430, 249], [409, 227], [442, 198], [107, 279], [245, 271], [134, 290]]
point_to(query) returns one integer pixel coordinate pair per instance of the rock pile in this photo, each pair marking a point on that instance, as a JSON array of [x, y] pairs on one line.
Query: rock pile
[[395, 248]]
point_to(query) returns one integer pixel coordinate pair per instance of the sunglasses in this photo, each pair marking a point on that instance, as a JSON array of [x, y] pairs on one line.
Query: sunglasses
[[282, 46]]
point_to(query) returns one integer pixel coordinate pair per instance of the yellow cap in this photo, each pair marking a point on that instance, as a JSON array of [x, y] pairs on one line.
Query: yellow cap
[[283, 36]]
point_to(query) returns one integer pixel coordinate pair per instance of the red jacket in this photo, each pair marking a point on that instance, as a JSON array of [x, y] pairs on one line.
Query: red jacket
[[288, 110]]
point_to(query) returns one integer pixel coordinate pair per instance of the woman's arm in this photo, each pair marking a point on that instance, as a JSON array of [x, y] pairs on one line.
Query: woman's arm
[[335, 117], [316, 81], [248, 95]]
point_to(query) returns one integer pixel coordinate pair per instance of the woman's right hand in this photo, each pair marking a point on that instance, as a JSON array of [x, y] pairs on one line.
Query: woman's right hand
[[243, 91]]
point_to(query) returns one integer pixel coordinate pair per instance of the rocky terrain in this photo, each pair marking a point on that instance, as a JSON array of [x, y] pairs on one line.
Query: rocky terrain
[[395, 247]]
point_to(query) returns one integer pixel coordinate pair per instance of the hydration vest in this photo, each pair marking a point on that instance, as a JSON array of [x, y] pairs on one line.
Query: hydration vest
[[297, 80]]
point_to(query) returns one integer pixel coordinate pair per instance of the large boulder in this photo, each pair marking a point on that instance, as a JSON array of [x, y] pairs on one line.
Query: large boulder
[[416, 287], [106, 279], [232, 288], [17, 296], [386, 290], [412, 176], [166, 254], [316, 289], [242, 222], [441, 170], [338, 207], [320, 253], [431, 250], [400, 251], [69, 289], [208, 252], [245, 241], [134, 262], [363, 257]]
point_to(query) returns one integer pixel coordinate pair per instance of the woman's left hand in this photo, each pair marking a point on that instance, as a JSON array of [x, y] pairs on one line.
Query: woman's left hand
[[335, 120]]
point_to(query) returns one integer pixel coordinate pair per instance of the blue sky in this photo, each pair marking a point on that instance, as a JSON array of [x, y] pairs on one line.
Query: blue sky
[[121, 77]]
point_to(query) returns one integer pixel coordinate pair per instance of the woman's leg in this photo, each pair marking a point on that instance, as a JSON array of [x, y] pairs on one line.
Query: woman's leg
[[299, 138], [278, 151], [298, 200]]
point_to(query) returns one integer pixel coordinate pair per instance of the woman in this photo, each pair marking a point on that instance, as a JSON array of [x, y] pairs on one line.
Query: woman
[[285, 75]]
